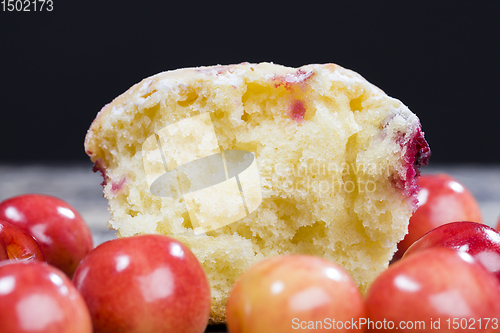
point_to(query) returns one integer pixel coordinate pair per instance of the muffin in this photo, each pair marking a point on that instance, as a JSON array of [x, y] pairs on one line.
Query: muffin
[[248, 161]]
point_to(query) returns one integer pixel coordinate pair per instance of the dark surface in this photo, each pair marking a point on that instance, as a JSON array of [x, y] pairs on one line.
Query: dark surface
[[216, 329], [59, 68]]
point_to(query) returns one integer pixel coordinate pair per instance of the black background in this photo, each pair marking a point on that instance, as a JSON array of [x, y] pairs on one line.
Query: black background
[[57, 69]]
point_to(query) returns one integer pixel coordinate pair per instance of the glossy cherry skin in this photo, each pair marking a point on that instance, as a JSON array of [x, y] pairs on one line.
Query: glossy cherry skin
[[36, 297], [477, 239], [147, 283], [442, 199], [436, 284], [62, 233], [289, 293], [17, 244]]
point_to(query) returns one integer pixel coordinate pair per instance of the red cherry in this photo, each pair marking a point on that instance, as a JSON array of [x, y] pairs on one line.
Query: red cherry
[[477, 239], [442, 199], [147, 283], [294, 293], [434, 286], [36, 297], [18, 244], [64, 237]]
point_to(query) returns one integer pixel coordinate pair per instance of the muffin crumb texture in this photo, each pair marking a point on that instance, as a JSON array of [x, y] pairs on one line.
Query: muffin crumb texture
[[337, 159]]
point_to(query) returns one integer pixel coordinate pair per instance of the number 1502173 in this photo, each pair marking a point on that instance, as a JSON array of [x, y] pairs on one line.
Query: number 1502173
[[27, 5]]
